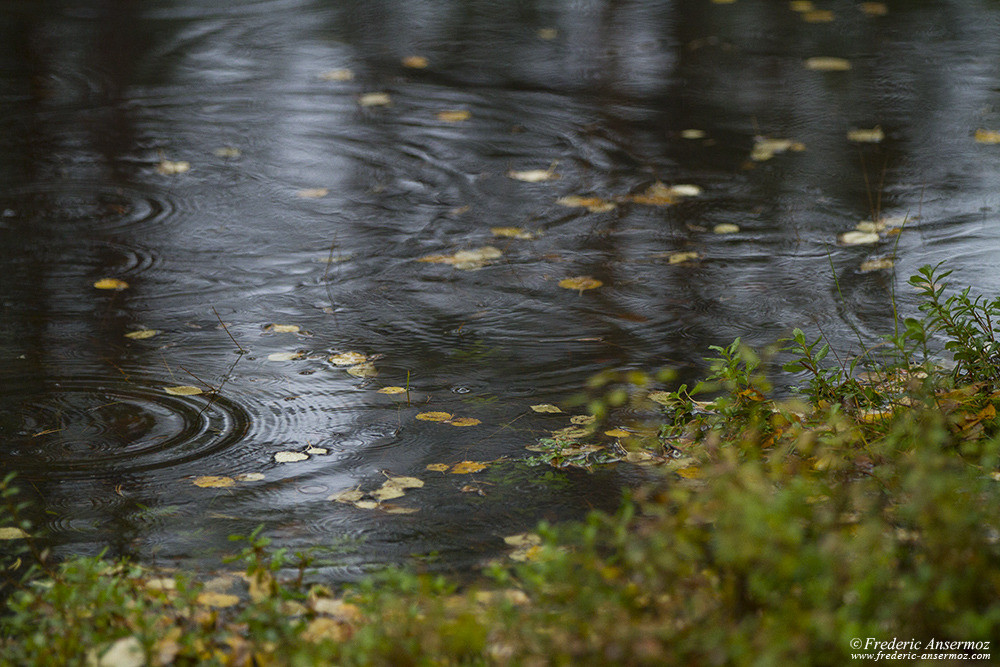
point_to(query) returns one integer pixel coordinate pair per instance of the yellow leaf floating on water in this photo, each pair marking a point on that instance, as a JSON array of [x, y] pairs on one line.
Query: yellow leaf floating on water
[[801, 6], [228, 152], [877, 264], [661, 397], [415, 62], [682, 257], [464, 421], [350, 496], [545, 408], [580, 283], [692, 133], [312, 193], [466, 467], [523, 540], [434, 416], [592, 204], [513, 233], [874, 8], [987, 136], [818, 16], [618, 433], [437, 467], [290, 457], [375, 100], [111, 284], [392, 390], [406, 482], [547, 33], [765, 148], [366, 370], [872, 136], [284, 356], [337, 75], [582, 420], [534, 175], [858, 238], [12, 533], [453, 116], [217, 600], [387, 492], [467, 260], [282, 328], [318, 451], [249, 477], [213, 482], [828, 64], [389, 508], [183, 390], [725, 228], [366, 504], [656, 194], [348, 359], [169, 167], [142, 334]]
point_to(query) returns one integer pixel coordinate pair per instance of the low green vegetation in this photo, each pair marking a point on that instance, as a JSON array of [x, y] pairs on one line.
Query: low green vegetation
[[865, 506]]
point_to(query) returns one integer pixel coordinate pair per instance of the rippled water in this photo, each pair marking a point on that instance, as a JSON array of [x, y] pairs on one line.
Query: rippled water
[[94, 98]]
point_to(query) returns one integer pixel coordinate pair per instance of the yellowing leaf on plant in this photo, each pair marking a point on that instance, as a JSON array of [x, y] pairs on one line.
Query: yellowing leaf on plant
[[592, 204], [284, 356], [375, 100], [142, 334], [217, 600], [348, 359], [213, 482], [437, 467], [872, 136], [725, 228], [877, 264], [453, 116], [434, 416], [533, 175], [12, 533], [466, 467], [682, 257], [169, 167], [312, 193], [366, 370], [183, 390], [828, 64], [337, 75], [580, 283], [392, 390], [282, 328], [111, 284], [513, 233], [290, 457], [415, 62], [546, 408], [987, 136], [858, 238]]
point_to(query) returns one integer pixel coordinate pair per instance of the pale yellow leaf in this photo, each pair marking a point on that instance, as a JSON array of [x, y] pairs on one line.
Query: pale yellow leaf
[[317, 451], [466, 259], [283, 328], [415, 62], [125, 652], [545, 408], [692, 133], [312, 193], [592, 204], [682, 257], [876, 264], [434, 416], [872, 136], [801, 5], [582, 420], [406, 482], [349, 496], [348, 359], [438, 467], [249, 477], [858, 238], [523, 540], [618, 433], [725, 228], [213, 482], [12, 533], [580, 283], [547, 33], [513, 233], [690, 472], [366, 504], [290, 457], [228, 152], [389, 508], [284, 356], [661, 397], [366, 370], [453, 115], [111, 284], [183, 390], [325, 629], [387, 491], [142, 334], [337, 75], [987, 136], [392, 390], [466, 467], [533, 175], [217, 600], [828, 64], [464, 421], [168, 167], [874, 8], [375, 100]]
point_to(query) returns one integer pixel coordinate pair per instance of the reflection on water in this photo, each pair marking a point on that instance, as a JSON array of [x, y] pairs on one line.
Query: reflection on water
[[306, 205]]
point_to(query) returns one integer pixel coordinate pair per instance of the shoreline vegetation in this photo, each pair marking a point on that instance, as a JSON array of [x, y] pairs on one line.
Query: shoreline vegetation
[[867, 506]]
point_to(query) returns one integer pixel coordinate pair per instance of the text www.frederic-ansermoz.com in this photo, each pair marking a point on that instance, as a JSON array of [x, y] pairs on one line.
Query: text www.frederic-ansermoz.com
[[870, 648]]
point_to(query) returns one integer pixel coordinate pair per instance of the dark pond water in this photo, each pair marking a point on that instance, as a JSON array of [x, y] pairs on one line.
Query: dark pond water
[[99, 98]]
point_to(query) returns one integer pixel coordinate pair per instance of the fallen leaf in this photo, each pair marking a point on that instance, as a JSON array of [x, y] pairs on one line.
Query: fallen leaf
[[685, 190], [168, 167], [513, 233], [523, 540], [692, 134], [469, 488], [283, 328], [467, 260], [389, 508], [453, 116], [656, 194], [284, 356], [682, 257], [466, 467], [312, 193], [801, 5], [387, 491], [290, 457], [348, 359], [366, 370], [366, 504], [533, 175], [877, 264], [547, 33], [987, 136], [142, 334], [872, 136], [765, 148], [213, 482], [545, 408], [228, 152], [818, 16], [217, 600], [249, 477], [690, 472], [592, 204], [183, 390], [337, 75], [323, 629], [392, 390], [725, 228], [828, 64], [375, 100], [438, 467], [406, 482], [582, 420], [874, 8], [661, 397], [434, 416], [125, 652], [111, 283], [415, 62], [317, 451], [464, 421], [858, 238], [580, 283], [12, 533], [618, 433], [350, 496]]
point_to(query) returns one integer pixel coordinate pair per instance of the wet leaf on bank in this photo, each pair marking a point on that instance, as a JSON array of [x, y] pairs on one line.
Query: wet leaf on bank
[[453, 115], [392, 390], [987, 136], [466, 260], [873, 136], [312, 193], [183, 390], [348, 359], [466, 467], [285, 356], [337, 75], [513, 233], [365, 370], [169, 167], [282, 328], [111, 284], [375, 100], [290, 457], [434, 416], [217, 600], [437, 467], [545, 408], [415, 62], [213, 482], [592, 204], [12, 533], [725, 228], [858, 238], [534, 175], [828, 64], [877, 264], [142, 334], [580, 283]]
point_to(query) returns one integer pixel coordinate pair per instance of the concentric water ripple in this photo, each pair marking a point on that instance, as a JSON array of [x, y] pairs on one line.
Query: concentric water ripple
[[74, 206]]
